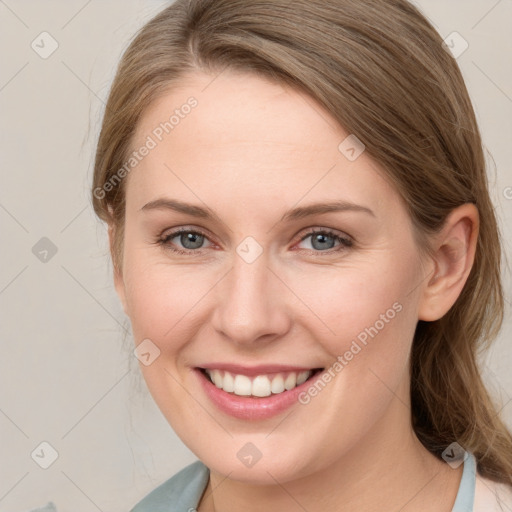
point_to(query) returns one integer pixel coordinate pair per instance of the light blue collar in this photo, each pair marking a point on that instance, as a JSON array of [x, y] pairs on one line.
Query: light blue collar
[[466, 495]]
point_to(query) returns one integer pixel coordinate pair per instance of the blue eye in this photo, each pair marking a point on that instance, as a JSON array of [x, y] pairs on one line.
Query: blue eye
[[324, 240], [189, 239], [192, 241]]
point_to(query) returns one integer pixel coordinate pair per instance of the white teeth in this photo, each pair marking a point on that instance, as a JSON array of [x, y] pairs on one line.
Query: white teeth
[[261, 385], [291, 381], [242, 385], [228, 384], [302, 377], [217, 378], [277, 384]]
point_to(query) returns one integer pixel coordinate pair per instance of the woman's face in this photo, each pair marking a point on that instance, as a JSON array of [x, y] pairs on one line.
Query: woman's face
[[267, 283]]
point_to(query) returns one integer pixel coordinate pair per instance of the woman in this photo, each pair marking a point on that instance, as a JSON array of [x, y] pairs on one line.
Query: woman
[[303, 240]]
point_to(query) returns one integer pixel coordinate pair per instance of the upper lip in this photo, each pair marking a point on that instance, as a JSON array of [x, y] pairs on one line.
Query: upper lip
[[252, 371]]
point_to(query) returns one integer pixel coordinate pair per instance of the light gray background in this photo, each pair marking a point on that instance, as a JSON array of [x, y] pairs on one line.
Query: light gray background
[[67, 373]]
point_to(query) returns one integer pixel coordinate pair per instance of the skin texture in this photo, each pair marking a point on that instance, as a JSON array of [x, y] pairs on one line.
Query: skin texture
[[250, 151]]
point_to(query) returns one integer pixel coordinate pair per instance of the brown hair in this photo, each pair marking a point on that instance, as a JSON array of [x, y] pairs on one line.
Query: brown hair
[[381, 70]]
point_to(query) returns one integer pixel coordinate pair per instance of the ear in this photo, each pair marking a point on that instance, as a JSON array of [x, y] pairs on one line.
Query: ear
[[454, 253], [118, 275]]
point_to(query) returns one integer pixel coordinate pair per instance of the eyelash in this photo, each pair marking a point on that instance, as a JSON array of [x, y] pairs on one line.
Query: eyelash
[[345, 242]]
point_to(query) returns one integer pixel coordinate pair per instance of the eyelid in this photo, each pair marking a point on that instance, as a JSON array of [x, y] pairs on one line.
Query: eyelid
[[330, 231], [345, 240], [173, 233]]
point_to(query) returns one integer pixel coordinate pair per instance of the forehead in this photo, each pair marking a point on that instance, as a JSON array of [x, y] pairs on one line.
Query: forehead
[[235, 107], [241, 134]]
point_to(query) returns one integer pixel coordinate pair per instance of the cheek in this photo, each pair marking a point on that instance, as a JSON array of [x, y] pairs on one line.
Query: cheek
[[373, 300], [166, 305], [373, 315], [365, 318], [163, 300]]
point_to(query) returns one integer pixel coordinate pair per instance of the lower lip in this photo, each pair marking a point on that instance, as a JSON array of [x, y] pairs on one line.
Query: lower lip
[[249, 408]]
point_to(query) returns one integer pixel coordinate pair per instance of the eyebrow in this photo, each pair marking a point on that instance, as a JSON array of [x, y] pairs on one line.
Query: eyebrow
[[293, 214]]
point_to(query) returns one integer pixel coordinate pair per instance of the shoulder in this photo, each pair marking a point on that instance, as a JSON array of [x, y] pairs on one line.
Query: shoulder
[[491, 496], [180, 493]]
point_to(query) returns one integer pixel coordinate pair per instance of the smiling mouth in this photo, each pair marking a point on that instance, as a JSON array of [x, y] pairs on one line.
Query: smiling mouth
[[258, 386]]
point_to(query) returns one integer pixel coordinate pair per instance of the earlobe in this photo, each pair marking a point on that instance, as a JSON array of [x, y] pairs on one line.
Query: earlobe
[[455, 248], [117, 271]]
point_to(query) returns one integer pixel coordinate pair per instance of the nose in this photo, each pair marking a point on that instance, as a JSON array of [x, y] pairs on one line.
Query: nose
[[251, 304]]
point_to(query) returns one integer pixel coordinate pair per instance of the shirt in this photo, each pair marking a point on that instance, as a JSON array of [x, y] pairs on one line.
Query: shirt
[[183, 491]]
